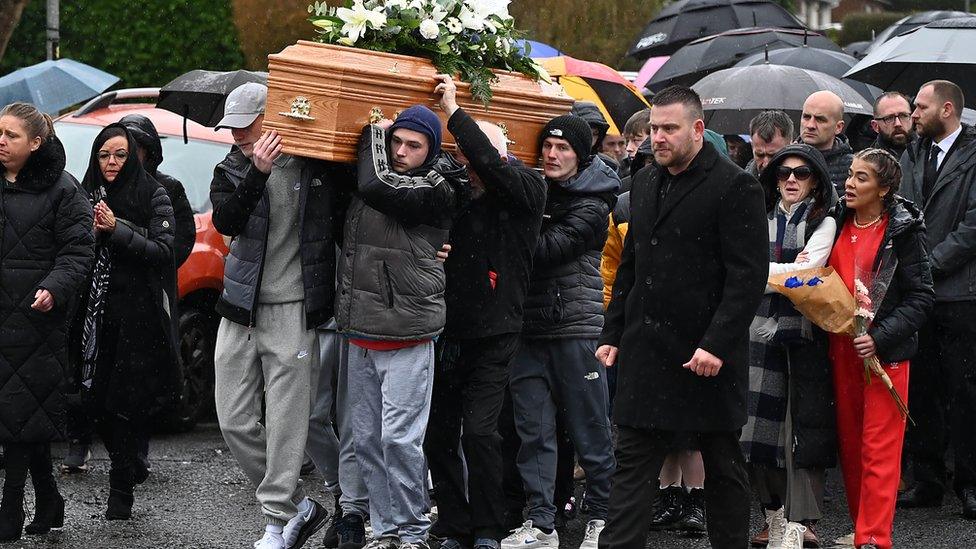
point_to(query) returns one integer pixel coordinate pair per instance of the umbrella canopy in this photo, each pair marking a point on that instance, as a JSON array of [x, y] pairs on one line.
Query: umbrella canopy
[[732, 97], [687, 20], [651, 66], [54, 85], [537, 49], [702, 57], [615, 96], [199, 95], [857, 50], [940, 50], [830, 62], [914, 21]]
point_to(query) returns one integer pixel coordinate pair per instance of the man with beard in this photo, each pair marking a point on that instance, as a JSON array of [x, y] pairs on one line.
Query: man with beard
[[940, 176], [693, 271], [893, 123], [821, 127]]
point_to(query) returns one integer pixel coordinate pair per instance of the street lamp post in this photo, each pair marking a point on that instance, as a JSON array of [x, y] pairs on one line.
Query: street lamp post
[[53, 29]]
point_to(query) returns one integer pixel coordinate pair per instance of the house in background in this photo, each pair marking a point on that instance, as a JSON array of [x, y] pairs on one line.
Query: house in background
[[817, 14], [847, 7]]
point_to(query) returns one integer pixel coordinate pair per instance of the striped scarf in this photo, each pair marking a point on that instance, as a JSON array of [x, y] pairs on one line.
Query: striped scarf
[[96, 305]]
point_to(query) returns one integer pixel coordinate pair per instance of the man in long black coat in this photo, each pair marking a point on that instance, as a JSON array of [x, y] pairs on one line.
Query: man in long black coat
[[693, 270]]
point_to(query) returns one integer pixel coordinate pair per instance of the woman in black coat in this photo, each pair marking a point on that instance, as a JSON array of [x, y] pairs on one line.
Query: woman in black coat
[[789, 439], [881, 241], [46, 251], [129, 355]]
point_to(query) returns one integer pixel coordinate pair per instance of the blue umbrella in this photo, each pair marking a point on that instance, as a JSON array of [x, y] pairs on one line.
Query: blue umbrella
[[54, 85], [538, 49]]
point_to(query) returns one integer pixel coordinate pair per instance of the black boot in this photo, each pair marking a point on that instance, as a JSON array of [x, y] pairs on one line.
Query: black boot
[[668, 508], [692, 521], [119, 505], [12, 515], [48, 513]]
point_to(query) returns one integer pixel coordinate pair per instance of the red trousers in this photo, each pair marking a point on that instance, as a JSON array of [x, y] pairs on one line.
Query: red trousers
[[870, 432]]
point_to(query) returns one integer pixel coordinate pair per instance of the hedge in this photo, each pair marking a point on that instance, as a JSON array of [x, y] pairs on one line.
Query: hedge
[[859, 26], [143, 42]]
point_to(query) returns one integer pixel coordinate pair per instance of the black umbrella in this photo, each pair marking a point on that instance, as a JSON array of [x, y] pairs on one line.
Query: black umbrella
[[941, 50], [707, 55], [199, 95], [859, 49], [834, 63], [914, 21], [732, 97], [687, 20]]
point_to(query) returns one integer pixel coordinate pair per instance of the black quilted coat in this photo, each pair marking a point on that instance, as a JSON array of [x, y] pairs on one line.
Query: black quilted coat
[[46, 241]]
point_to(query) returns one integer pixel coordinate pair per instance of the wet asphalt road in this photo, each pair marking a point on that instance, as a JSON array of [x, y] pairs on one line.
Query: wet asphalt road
[[197, 498]]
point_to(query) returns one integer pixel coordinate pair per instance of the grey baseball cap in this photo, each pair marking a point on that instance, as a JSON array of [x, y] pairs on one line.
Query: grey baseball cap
[[243, 105]]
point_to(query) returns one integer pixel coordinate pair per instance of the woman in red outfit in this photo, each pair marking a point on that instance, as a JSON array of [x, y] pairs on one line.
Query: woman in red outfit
[[878, 232]]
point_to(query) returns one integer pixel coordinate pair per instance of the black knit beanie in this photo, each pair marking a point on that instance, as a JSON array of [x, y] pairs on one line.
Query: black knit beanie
[[573, 129]]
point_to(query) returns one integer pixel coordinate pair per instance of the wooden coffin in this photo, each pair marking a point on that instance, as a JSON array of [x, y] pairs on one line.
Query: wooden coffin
[[320, 96]]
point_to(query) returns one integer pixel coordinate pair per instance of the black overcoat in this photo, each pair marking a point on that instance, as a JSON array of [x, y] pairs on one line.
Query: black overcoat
[[46, 241], [693, 270]]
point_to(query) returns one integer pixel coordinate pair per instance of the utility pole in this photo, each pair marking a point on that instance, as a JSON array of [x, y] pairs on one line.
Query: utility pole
[[53, 29]]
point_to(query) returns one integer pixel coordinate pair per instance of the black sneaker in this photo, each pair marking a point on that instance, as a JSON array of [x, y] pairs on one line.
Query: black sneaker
[[692, 522], [668, 508], [303, 525], [77, 459], [351, 532], [331, 539]]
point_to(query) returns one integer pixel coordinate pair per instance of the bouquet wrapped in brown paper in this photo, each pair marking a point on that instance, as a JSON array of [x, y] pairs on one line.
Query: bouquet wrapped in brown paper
[[820, 295]]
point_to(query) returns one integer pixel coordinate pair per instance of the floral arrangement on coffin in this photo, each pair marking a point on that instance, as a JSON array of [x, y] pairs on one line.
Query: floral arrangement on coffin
[[460, 37]]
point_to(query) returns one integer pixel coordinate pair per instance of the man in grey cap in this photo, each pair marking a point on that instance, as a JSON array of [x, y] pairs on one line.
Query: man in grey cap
[[279, 283]]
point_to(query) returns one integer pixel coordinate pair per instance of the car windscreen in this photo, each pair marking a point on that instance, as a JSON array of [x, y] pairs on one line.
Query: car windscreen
[[192, 163]]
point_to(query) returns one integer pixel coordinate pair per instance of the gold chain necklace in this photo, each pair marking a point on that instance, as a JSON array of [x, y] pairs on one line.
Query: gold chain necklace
[[866, 225]]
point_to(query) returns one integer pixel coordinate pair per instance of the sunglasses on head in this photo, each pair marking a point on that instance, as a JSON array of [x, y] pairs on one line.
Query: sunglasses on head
[[801, 173]]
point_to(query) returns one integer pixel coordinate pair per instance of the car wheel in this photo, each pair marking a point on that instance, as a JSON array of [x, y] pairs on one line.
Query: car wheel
[[197, 337]]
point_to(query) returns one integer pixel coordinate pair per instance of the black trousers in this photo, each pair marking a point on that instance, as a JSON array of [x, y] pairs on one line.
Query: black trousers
[[463, 445], [124, 439], [23, 458], [942, 397], [640, 454]]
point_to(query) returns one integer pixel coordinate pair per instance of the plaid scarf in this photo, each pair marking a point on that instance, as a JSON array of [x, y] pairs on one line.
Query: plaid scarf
[[776, 324], [96, 305]]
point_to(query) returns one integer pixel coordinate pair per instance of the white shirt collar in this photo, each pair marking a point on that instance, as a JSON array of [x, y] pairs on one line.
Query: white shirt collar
[[948, 141]]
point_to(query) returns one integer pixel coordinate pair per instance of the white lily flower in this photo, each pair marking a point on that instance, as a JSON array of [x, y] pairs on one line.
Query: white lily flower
[[470, 19], [398, 4], [358, 18], [487, 8], [429, 29]]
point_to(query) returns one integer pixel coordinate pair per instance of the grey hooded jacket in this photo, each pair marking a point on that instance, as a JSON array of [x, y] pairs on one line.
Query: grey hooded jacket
[[950, 214], [391, 286]]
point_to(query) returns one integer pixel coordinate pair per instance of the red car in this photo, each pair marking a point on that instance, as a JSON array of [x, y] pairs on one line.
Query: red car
[[200, 278]]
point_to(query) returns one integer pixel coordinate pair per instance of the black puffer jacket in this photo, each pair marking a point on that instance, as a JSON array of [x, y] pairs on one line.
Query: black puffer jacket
[[241, 211], [391, 286], [46, 241], [145, 133], [839, 159], [566, 293], [910, 296]]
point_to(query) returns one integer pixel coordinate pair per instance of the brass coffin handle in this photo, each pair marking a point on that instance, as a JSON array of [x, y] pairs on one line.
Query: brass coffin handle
[[300, 109]]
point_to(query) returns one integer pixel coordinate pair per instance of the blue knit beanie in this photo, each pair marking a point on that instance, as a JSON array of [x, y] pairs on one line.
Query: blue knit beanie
[[421, 119]]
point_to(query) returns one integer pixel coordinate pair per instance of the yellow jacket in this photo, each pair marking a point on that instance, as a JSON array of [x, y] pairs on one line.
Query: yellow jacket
[[612, 251]]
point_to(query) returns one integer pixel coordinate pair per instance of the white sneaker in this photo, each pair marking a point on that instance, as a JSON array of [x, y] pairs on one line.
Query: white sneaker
[[530, 537], [845, 541], [793, 537], [592, 538], [777, 528], [270, 540]]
